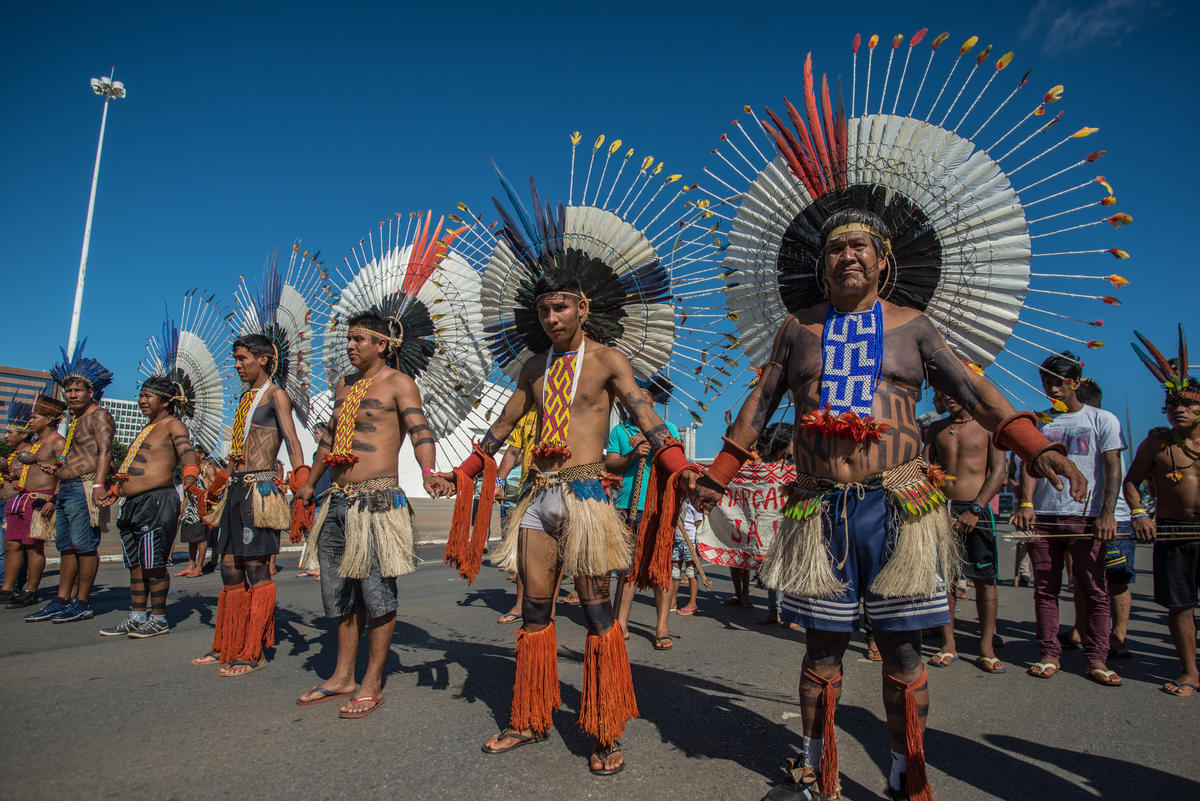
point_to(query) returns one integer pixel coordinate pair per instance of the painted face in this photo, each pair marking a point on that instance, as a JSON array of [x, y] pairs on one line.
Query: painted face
[[560, 314], [77, 395], [150, 403], [1182, 413], [249, 367], [363, 349], [1057, 389], [39, 422], [851, 262]]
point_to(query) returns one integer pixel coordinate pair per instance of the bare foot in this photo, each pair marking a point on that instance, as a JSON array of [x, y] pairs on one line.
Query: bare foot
[[503, 741], [606, 759], [211, 658], [324, 690]]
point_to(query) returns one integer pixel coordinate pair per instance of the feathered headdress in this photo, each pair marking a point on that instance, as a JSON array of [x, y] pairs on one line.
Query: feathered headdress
[[83, 368], [19, 412], [1175, 379], [410, 275], [628, 247], [969, 191], [184, 365], [48, 407], [281, 308]]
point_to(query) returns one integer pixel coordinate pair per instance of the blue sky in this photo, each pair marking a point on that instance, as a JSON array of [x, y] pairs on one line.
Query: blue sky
[[248, 125]]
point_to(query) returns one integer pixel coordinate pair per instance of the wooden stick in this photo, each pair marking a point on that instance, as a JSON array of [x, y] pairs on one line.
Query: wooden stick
[[705, 580]]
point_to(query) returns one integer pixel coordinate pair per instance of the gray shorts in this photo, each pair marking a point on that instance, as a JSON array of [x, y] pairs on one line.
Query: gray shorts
[[547, 511], [345, 596]]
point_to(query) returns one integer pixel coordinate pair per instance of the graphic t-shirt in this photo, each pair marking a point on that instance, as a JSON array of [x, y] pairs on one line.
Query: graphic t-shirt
[[618, 442], [1087, 433]]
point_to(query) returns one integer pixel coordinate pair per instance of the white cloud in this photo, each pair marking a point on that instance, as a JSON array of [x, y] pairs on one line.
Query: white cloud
[[1061, 26]]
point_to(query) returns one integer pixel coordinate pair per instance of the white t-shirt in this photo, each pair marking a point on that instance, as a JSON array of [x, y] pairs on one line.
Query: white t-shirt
[[692, 518], [1087, 433]]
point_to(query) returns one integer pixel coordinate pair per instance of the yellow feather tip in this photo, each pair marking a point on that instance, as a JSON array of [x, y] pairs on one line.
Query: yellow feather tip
[[575, 137], [599, 142], [1082, 132], [646, 162], [968, 45], [614, 147]]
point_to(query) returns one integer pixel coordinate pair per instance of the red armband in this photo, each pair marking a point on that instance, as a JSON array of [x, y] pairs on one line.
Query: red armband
[[298, 477], [671, 457], [1018, 433], [192, 470], [472, 465], [730, 460]]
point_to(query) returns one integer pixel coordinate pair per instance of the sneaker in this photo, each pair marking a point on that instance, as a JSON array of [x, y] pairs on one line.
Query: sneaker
[[23, 599], [76, 610], [47, 612], [151, 628], [122, 629], [7, 595]]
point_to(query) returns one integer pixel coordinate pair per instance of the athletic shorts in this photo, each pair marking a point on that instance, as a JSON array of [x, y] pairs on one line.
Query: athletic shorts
[[547, 511], [1177, 566], [345, 596], [73, 529], [147, 524], [1118, 556], [238, 534], [18, 512], [865, 525], [979, 545]]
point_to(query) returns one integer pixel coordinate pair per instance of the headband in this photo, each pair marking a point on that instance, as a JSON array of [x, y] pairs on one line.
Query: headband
[[395, 341], [855, 226], [582, 297], [181, 397]]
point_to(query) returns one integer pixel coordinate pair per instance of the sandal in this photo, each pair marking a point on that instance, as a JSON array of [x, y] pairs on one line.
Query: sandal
[[1104, 676], [603, 754], [325, 696], [570, 599], [943, 659], [873, 654], [512, 734], [362, 713], [1042, 670], [990, 664], [211, 658], [663, 643], [732, 600], [253, 665], [1179, 691], [686, 610], [508, 617]]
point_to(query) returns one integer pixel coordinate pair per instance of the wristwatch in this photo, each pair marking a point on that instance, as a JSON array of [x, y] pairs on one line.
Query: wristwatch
[[975, 509]]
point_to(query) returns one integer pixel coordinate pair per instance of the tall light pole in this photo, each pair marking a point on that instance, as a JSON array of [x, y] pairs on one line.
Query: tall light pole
[[109, 90]]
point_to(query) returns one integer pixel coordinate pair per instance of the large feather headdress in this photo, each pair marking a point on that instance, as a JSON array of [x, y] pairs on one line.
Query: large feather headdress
[[191, 356], [83, 368], [281, 308], [1175, 378], [974, 190], [19, 412], [630, 246], [408, 273]]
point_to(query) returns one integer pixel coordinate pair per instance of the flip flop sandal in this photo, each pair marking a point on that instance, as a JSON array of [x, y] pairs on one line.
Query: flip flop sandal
[[1104, 677], [1042, 670], [259, 665], [211, 658], [325, 696], [687, 610], [184, 572], [939, 659], [658, 643], [521, 739], [570, 599], [1179, 685], [362, 713], [731, 601], [508, 618], [988, 664], [603, 754]]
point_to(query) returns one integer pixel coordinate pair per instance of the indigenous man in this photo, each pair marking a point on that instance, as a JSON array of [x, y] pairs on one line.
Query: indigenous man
[[363, 539], [253, 511], [566, 523], [192, 530], [859, 469], [1093, 441], [149, 514], [82, 471], [975, 471], [1170, 460], [18, 505]]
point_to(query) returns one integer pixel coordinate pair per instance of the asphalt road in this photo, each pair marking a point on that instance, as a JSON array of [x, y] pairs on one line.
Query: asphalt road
[[87, 717]]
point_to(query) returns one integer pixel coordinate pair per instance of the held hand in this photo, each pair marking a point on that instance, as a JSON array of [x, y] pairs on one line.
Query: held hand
[[306, 493], [704, 493], [1022, 519], [189, 482], [1106, 527], [102, 497], [966, 521], [50, 468], [1052, 464], [642, 448], [1144, 529], [47, 510], [436, 486], [451, 483]]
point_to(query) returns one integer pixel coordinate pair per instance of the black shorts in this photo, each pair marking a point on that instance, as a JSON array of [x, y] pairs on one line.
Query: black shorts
[[239, 536], [341, 596], [147, 524], [980, 560], [1176, 566], [191, 527]]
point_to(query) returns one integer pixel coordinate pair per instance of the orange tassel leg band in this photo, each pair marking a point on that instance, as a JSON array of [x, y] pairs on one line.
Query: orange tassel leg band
[[233, 606], [916, 784], [823, 727], [260, 623], [535, 691], [608, 700]]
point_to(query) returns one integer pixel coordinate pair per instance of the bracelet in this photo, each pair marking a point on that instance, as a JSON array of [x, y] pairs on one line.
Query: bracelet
[[427, 470], [1139, 515], [97, 486], [1138, 511], [1025, 505]]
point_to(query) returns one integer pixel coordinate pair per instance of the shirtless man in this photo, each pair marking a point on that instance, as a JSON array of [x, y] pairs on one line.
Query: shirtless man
[[833, 560], [1170, 460], [17, 512], [567, 524], [38, 488], [150, 511], [374, 408], [82, 471], [976, 470], [248, 531]]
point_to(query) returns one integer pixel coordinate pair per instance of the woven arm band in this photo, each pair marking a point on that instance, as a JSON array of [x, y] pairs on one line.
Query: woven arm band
[[1018, 433], [727, 463], [472, 465]]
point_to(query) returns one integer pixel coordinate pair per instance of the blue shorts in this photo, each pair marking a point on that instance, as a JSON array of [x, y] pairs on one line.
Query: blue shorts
[[1118, 556], [73, 529], [865, 525]]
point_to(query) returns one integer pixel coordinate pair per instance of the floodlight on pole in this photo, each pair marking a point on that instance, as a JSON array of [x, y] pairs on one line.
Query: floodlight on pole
[[109, 90]]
